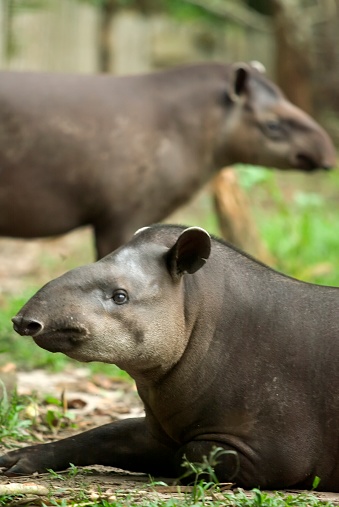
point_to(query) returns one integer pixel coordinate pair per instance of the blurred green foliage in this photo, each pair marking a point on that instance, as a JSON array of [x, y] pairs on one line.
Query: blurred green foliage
[[180, 9], [298, 221]]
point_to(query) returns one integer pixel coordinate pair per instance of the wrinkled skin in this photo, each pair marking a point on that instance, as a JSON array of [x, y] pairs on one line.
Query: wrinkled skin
[[121, 153], [225, 352]]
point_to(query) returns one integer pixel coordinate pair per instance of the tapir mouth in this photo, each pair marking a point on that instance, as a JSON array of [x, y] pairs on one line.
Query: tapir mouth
[[61, 340], [56, 337], [307, 163]]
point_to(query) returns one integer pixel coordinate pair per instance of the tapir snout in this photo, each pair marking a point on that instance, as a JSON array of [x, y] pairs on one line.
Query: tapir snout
[[27, 327], [63, 339]]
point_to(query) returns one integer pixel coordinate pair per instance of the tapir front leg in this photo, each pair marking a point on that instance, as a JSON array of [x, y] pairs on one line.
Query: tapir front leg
[[125, 444]]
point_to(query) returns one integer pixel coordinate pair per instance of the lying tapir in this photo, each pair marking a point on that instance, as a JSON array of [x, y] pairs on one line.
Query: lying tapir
[[225, 351], [120, 153]]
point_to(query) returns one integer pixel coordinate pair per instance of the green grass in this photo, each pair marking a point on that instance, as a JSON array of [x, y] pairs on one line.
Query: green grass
[[12, 424], [256, 498]]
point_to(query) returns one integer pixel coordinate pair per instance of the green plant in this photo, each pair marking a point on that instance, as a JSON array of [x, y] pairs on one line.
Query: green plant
[[297, 216], [205, 470], [56, 416], [55, 475], [10, 499], [73, 470], [316, 482], [70, 473], [12, 424], [258, 498]]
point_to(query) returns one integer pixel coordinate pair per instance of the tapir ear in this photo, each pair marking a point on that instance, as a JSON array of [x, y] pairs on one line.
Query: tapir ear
[[190, 252], [239, 81], [260, 67]]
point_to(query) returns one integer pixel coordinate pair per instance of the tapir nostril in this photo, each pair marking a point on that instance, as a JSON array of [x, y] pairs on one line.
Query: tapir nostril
[[27, 327], [33, 328]]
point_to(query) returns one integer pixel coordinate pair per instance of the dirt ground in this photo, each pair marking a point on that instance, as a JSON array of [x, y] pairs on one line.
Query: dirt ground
[[88, 401], [92, 399], [34, 262]]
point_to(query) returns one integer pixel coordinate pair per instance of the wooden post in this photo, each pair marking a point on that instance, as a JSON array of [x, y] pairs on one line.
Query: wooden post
[[234, 214], [108, 9]]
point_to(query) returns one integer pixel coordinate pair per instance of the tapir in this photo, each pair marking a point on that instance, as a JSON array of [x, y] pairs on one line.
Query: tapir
[[118, 153], [226, 353]]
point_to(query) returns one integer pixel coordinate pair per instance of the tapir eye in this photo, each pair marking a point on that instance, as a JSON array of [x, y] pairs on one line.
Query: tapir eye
[[274, 128], [120, 297]]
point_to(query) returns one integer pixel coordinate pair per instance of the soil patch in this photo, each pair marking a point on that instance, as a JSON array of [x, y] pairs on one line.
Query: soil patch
[[93, 400]]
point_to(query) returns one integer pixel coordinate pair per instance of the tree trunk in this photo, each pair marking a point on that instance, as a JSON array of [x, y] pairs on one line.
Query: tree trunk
[[107, 11], [6, 30], [293, 70], [234, 215]]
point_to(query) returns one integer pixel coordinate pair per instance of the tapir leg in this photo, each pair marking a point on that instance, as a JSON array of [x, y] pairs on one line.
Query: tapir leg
[[125, 444], [108, 237]]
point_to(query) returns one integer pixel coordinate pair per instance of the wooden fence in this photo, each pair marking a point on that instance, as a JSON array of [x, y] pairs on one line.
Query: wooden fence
[[62, 35]]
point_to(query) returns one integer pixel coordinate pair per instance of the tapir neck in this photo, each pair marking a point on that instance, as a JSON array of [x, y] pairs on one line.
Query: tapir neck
[[234, 304], [244, 316], [203, 92]]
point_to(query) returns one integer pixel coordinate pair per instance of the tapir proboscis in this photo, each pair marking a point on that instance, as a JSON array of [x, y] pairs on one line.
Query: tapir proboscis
[[118, 153], [225, 352]]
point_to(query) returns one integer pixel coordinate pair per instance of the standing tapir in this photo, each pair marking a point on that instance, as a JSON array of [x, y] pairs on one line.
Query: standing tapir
[[225, 352], [120, 153]]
